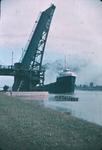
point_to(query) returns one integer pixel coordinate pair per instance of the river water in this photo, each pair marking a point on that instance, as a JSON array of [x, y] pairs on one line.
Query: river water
[[88, 107]]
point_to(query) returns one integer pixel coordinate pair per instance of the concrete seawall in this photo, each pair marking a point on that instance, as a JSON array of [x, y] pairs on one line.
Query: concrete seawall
[[29, 95], [28, 125]]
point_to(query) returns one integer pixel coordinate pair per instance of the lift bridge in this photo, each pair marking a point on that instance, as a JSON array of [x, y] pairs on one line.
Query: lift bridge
[[29, 73]]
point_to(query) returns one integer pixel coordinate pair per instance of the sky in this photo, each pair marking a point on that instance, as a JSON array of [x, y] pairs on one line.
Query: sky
[[75, 32]]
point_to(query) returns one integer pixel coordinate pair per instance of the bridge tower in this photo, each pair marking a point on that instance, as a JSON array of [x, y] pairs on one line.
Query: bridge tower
[[29, 72]]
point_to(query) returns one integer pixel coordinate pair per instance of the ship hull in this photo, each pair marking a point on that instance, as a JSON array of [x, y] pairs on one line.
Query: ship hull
[[62, 85]]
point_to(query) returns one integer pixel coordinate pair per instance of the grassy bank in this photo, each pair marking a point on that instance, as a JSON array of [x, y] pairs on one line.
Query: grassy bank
[[27, 125]]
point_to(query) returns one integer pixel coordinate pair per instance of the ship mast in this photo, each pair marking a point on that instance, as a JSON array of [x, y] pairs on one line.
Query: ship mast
[[65, 63]]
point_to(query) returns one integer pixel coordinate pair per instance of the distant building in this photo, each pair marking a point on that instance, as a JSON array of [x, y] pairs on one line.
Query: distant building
[[91, 84]]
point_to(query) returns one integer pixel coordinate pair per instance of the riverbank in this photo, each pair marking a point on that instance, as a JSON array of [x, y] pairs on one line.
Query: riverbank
[[28, 125]]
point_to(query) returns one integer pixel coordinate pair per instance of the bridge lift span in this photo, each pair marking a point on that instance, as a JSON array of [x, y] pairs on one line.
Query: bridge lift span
[[29, 72]]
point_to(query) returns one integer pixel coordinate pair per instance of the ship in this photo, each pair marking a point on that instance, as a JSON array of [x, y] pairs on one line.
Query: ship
[[65, 83]]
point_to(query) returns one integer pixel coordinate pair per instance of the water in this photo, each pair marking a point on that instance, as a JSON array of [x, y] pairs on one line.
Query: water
[[89, 106]]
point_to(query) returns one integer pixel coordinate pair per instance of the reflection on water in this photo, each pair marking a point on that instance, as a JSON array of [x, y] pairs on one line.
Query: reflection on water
[[89, 106]]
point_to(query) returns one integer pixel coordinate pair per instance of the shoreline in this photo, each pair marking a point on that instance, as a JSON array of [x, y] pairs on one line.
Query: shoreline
[[28, 125]]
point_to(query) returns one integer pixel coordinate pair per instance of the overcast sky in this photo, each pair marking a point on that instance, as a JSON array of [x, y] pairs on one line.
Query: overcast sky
[[76, 32]]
